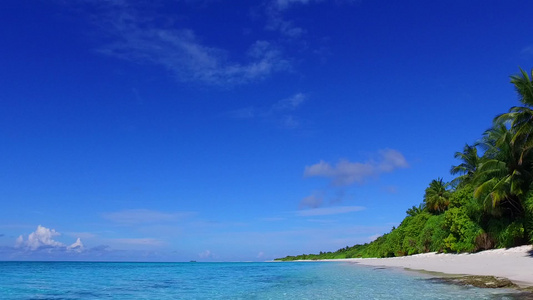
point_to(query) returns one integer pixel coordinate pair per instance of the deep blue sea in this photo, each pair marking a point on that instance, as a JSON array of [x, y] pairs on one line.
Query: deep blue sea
[[288, 280]]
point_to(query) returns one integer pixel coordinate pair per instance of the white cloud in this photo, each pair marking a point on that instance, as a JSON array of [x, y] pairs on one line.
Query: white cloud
[[19, 242], [43, 238], [140, 216], [346, 172], [391, 160], [76, 246], [326, 211]]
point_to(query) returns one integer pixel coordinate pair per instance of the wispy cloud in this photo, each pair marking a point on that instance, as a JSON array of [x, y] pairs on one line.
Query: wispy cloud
[[277, 22], [140, 39], [319, 198], [281, 112], [272, 219], [284, 4], [527, 51], [346, 172], [314, 200], [83, 235], [326, 211], [206, 254], [290, 103], [143, 216]]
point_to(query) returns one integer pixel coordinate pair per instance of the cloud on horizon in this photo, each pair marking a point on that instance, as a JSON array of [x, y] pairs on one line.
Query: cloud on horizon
[[346, 173], [327, 211], [42, 245], [43, 238], [207, 254]]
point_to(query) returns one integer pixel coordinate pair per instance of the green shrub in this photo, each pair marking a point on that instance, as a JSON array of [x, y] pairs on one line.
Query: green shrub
[[412, 228], [431, 237], [463, 231], [512, 235], [462, 196], [528, 215]]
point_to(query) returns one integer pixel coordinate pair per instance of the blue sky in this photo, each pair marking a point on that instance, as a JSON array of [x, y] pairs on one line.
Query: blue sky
[[218, 130]]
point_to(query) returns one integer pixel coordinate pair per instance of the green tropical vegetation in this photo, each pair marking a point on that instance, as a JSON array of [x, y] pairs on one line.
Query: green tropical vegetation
[[488, 205]]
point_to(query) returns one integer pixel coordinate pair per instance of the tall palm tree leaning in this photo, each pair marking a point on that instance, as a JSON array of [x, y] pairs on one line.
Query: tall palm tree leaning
[[437, 196], [467, 169], [505, 176]]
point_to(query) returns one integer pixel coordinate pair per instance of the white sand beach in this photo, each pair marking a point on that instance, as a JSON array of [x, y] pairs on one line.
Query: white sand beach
[[516, 264]]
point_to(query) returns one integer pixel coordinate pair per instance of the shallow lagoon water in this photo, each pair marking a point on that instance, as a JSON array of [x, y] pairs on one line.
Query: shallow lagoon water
[[290, 280]]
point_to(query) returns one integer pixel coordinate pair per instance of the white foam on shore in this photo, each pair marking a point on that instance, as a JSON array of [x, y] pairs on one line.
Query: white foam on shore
[[516, 264]]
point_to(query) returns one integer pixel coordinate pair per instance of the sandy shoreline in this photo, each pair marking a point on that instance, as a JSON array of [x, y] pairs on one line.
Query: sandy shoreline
[[516, 264]]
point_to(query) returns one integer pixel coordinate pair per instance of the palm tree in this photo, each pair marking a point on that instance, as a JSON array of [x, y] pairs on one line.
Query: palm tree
[[505, 174], [470, 162], [520, 118], [413, 211], [437, 196]]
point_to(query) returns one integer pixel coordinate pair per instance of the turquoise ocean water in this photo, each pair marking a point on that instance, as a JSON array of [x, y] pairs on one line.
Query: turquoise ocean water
[[291, 280]]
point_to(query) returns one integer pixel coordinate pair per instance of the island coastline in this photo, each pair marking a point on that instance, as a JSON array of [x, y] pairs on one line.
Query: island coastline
[[515, 264]]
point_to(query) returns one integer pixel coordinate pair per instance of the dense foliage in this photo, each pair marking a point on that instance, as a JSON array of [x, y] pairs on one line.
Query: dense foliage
[[488, 205]]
